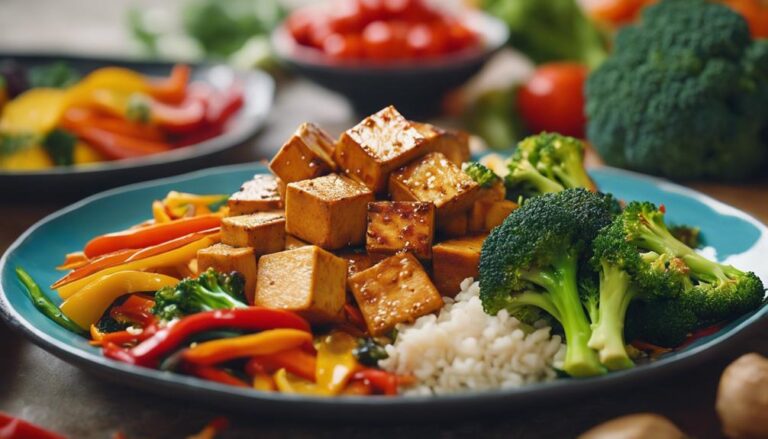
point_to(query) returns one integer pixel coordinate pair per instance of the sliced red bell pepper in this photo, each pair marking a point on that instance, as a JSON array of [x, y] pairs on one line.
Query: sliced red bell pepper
[[185, 117], [149, 351], [382, 381], [296, 361], [154, 234], [15, 428], [136, 309], [173, 88]]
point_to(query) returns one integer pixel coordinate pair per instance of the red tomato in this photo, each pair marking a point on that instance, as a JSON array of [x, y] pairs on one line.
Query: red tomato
[[319, 30], [553, 99], [300, 26], [423, 40], [371, 10], [339, 46], [346, 17], [381, 41], [459, 36], [15, 428]]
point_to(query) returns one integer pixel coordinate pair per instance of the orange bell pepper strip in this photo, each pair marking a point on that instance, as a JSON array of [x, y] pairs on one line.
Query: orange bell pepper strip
[[78, 117], [172, 89], [296, 361], [94, 266], [166, 259], [262, 343], [216, 375], [129, 255], [150, 235], [73, 260], [117, 146]]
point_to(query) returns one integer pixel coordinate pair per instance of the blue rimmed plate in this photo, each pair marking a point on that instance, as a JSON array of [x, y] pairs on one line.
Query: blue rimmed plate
[[735, 236]]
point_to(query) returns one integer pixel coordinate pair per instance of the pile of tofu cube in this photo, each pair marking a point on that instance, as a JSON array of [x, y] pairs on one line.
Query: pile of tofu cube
[[384, 218]]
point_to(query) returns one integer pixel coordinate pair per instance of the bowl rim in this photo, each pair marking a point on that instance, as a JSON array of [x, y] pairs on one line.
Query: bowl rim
[[493, 32], [367, 406]]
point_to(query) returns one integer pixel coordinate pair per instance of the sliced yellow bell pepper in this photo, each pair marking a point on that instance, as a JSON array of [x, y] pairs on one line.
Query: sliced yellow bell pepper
[[262, 343], [118, 79], [336, 361], [263, 382], [159, 213], [35, 111], [169, 259], [88, 305], [287, 382], [84, 154], [179, 202], [27, 159]]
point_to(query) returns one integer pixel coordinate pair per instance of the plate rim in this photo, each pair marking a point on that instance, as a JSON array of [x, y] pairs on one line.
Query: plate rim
[[155, 380], [198, 150]]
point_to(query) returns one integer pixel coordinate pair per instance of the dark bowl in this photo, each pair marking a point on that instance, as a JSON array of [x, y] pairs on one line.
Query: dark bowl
[[415, 87]]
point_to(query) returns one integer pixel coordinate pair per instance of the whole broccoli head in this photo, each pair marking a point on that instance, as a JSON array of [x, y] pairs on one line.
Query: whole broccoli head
[[529, 266], [709, 292], [210, 290], [683, 94], [547, 163]]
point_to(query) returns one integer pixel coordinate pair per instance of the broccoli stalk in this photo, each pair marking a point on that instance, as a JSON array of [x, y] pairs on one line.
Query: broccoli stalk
[[209, 291], [615, 294], [530, 264], [547, 163]]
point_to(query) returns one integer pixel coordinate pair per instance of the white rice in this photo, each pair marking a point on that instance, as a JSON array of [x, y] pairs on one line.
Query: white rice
[[463, 348]]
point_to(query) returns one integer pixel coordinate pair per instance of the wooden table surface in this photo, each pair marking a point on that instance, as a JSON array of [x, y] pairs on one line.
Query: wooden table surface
[[39, 387]]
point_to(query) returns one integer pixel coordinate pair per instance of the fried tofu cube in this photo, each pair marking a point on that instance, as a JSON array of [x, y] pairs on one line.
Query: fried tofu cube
[[434, 179], [485, 215], [226, 259], [453, 144], [496, 192], [328, 211], [357, 261], [292, 242], [378, 145], [395, 226], [262, 231], [306, 280], [260, 194], [396, 290], [455, 260], [305, 155], [453, 226]]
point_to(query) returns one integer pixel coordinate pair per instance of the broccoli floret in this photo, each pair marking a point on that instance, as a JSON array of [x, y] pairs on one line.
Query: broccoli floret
[[482, 175], [710, 291], [529, 266], [547, 163], [683, 94], [688, 235], [210, 290], [625, 273], [60, 145]]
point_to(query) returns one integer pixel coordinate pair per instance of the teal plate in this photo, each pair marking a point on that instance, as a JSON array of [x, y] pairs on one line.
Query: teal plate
[[736, 237]]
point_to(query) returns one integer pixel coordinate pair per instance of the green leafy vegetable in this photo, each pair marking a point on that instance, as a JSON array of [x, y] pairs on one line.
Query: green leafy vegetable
[[10, 144], [60, 145], [44, 304], [551, 30], [56, 75]]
